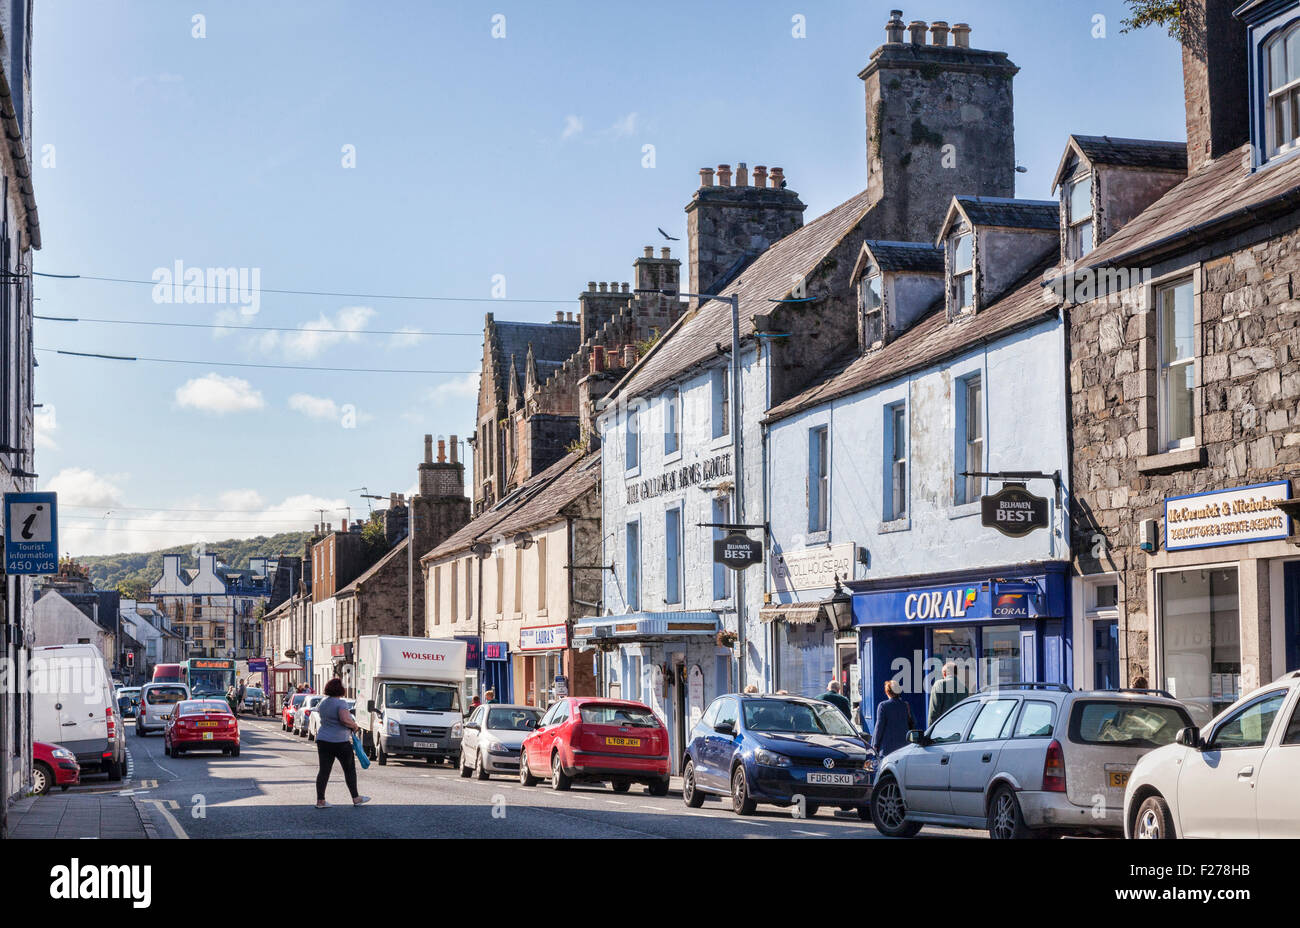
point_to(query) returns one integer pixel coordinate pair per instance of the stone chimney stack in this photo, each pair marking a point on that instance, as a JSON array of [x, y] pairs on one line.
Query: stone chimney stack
[[1215, 80], [657, 310]]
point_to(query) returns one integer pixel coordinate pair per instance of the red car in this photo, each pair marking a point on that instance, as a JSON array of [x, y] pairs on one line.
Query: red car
[[290, 706], [53, 765], [588, 738], [202, 725]]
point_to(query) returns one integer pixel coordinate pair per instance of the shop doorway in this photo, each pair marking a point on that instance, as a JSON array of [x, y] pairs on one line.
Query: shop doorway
[[1291, 613], [680, 713], [894, 653], [496, 677]]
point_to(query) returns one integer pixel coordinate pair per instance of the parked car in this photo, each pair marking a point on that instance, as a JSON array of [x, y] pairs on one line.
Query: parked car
[[254, 701], [780, 750], [303, 713], [202, 725], [128, 703], [1025, 760], [602, 740], [1235, 778], [73, 706], [494, 737], [291, 704], [313, 720], [53, 765], [157, 700]]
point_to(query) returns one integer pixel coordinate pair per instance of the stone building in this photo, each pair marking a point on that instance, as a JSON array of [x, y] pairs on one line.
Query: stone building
[[517, 579], [213, 607], [1184, 376]]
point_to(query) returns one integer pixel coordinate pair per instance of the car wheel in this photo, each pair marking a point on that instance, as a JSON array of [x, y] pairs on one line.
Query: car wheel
[[1005, 819], [620, 785], [464, 768], [559, 779], [167, 749], [380, 753], [114, 771], [889, 811], [1154, 820], [658, 787], [690, 795], [741, 802], [526, 777], [864, 813], [42, 778], [234, 752], [480, 767], [139, 732], [176, 750], [810, 810]]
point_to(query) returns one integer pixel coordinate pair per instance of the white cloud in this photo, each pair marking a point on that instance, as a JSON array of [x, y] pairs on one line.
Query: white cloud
[[45, 425], [241, 499], [78, 486], [407, 338], [315, 336], [572, 127], [219, 395], [314, 407], [462, 391]]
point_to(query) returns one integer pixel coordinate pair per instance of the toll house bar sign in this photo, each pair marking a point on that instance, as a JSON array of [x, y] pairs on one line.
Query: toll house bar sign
[[688, 475], [1227, 517]]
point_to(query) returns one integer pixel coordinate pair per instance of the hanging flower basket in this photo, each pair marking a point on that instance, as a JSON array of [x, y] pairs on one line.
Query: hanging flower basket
[[726, 639]]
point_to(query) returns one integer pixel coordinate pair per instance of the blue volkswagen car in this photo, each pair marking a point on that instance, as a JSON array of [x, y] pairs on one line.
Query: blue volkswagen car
[[776, 749]]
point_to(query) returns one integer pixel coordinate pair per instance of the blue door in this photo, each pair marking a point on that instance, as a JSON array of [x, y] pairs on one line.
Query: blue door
[[496, 677], [1105, 655], [1291, 610]]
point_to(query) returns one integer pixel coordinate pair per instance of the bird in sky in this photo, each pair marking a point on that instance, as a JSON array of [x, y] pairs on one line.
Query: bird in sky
[[667, 236]]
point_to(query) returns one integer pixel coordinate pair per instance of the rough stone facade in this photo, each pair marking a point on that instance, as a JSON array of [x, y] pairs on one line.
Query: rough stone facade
[[729, 226]]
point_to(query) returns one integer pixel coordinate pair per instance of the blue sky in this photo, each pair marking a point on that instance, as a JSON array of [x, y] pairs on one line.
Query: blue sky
[[475, 156]]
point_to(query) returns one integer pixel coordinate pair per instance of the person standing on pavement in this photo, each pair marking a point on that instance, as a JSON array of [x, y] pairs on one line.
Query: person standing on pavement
[[893, 721], [334, 742], [832, 696], [489, 696], [947, 692]]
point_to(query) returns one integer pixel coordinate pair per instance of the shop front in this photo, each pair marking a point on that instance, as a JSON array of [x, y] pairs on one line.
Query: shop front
[[811, 649], [341, 666], [669, 661], [549, 668], [496, 670], [997, 627]]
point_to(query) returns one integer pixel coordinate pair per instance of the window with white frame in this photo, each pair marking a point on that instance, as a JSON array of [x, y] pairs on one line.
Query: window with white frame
[[1176, 344], [672, 421], [963, 272], [633, 562], [721, 573], [721, 403], [970, 439], [1282, 67], [1079, 211], [872, 295], [896, 464], [673, 555], [632, 450], [819, 479], [541, 574]]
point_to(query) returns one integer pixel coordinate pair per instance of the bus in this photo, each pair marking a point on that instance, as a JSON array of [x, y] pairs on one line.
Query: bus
[[208, 676], [167, 673]]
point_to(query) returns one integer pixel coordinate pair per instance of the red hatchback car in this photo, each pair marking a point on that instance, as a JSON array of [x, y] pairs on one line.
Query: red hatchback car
[[290, 706], [588, 738], [202, 725], [53, 765]]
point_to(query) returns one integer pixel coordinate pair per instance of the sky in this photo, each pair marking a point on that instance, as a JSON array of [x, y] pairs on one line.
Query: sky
[[481, 154]]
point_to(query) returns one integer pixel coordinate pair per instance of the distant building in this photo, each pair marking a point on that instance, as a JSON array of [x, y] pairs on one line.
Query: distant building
[[214, 607]]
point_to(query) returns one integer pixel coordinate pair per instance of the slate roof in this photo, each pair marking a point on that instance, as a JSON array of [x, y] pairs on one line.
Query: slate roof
[[553, 344], [538, 501], [1136, 153], [692, 340], [932, 339], [1013, 214], [394, 551], [907, 256], [1218, 196]]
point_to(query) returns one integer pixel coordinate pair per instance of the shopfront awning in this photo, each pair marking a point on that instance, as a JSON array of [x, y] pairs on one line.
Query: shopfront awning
[[793, 613], [643, 626]]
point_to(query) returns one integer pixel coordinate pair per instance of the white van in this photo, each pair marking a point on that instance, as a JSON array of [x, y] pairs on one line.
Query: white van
[[73, 706], [408, 697]]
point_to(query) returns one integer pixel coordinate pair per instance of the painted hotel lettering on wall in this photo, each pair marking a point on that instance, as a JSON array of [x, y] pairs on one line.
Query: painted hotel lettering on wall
[[688, 475]]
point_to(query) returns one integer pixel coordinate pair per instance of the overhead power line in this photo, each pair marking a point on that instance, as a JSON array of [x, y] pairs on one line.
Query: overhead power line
[[274, 367], [173, 509], [333, 293], [268, 522], [255, 328]]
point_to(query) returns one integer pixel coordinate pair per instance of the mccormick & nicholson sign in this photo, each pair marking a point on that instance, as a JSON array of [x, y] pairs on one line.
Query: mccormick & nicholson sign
[[1227, 517]]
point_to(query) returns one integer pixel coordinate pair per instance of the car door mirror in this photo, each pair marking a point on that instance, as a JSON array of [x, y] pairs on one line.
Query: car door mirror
[[370, 705], [725, 728], [917, 737], [1190, 737], [471, 726]]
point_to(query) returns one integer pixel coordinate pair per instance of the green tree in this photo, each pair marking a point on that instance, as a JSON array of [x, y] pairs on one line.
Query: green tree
[[1167, 14], [135, 588]]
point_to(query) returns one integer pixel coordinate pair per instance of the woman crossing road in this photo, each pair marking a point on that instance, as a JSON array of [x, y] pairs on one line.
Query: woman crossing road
[[334, 742]]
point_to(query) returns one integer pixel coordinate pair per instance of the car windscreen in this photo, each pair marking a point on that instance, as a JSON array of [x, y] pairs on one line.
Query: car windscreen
[[513, 719], [793, 717], [424, 697], [202, 706], [165, 695], [594, 713], [298, 698], [1126, 723]]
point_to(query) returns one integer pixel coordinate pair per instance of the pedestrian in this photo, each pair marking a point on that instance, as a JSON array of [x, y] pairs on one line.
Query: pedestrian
[[489, 696], [946, 692], [833, 696], [474, 705], [334, 742], [1141, 683], [893, 721]]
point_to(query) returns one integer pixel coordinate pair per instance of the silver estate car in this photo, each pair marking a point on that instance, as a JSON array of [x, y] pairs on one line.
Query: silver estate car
[[493, 737], [1025, 760]]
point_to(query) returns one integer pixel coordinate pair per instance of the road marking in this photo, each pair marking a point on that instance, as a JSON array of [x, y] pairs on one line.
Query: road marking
[[615, 802], [814, 834], [161, 806], [149, 784], [657, 808]]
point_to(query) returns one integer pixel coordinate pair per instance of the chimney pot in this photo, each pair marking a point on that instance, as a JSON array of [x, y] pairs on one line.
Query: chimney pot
[[559, 315], [649, 251], [345, 525], [706, 177], [961, 35], [604, 286], [917, 28], [777, 177], [591, 286], [442, 451], [428, 449], [724, 175], [894, 28], [629, 355], [665, 252], [570, 319], [760, 175], [598, 358], [939, 33], [455, 450], [742, 175], [627, 287]]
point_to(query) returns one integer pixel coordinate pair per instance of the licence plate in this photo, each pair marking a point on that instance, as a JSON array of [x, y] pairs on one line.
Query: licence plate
[[623, 742], [831, 779], [207, 735], [1118, 780], [207, 724], [425, 744]]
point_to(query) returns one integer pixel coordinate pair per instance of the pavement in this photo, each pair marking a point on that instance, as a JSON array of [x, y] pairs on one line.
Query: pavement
[[78, 815]]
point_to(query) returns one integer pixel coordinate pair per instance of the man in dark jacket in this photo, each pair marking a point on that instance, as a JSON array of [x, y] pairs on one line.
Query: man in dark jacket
[[893, 721], [947, 692], [832, 696]]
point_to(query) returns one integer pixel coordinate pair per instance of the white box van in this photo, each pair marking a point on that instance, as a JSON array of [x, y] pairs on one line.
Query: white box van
[[73, 706], [408, 697]]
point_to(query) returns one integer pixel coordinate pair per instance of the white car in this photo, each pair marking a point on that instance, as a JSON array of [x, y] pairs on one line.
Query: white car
[[1234, 778], [313, 719], [303, 714], [494, 735]]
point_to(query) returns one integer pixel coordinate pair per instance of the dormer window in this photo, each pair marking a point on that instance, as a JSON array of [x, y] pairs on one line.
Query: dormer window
[[1283, 106], [963, 272], [871, 291], [1079, 210]]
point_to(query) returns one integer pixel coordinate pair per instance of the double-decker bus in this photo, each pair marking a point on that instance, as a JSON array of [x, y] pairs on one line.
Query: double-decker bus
[[208, 676]]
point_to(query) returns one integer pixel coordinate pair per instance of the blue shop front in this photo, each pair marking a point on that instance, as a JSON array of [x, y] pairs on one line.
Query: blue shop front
[[997, 626]]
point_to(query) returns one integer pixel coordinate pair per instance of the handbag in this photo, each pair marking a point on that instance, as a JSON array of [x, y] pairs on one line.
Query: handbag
[[361, 754]]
